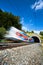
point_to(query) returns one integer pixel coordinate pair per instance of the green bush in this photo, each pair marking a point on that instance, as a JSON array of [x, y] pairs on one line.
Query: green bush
[[41, 33], [2, 32]]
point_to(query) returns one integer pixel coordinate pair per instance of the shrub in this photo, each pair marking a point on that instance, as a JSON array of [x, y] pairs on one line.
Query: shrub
[[2, 32]]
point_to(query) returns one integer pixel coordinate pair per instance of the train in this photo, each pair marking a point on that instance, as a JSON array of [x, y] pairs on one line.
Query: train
[[18, 35]]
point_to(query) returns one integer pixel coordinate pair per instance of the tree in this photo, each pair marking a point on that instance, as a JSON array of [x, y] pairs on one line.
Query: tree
[[8, 19], [41, 33], [32, 31], [2, 32]]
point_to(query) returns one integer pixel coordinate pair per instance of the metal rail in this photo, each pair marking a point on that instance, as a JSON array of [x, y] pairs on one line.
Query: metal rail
[[11, 45]]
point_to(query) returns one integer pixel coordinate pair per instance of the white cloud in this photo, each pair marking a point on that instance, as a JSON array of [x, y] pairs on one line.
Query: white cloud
[[22, 20], [31, 23], [24, 28], [37, 5], [36, 31]]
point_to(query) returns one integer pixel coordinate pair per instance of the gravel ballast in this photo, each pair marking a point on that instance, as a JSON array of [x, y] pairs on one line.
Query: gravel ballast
[[24, 55]]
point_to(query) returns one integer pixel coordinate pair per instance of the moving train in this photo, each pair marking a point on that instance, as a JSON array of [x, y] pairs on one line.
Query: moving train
[[17, 35]]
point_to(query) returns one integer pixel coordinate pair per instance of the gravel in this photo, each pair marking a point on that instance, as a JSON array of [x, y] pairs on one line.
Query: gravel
[[24, 55]]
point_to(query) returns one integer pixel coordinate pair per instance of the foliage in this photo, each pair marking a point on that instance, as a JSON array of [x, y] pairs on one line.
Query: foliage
[[41, 33], [2, 32], [32, 31], [8, 19]]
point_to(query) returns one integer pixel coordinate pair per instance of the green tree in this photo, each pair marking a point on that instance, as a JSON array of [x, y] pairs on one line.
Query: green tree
[[2, 32], [41, 33], [32, 31], [8, 19]]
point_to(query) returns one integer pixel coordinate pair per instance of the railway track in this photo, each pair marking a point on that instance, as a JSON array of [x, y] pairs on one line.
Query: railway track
[[10, 45]]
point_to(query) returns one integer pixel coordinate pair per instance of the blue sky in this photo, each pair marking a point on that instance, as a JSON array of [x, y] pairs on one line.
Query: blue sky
[[30, 12]]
